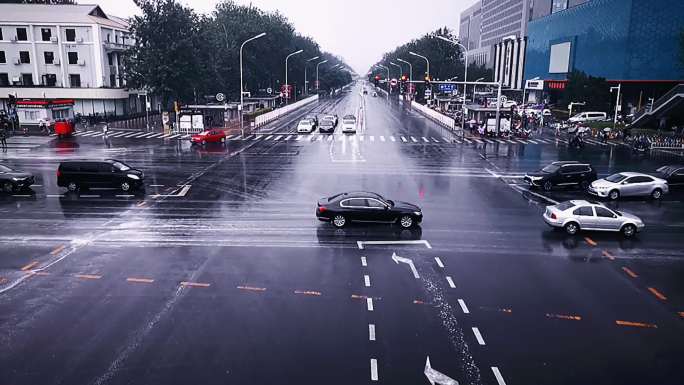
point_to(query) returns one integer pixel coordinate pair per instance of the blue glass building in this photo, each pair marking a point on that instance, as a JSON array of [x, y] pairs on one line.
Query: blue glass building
[[620, 40]]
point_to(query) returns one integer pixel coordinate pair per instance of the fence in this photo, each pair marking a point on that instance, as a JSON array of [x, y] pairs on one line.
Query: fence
[[444, 120], [275, 114]]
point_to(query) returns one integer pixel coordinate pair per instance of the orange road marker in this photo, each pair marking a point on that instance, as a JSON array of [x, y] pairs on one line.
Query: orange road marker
[[88, 276], [629, 272], [58, 250], [564, 316], [308, 292], [194, 284], [29, 266], [251, 288], [608, 255], [590, 241], [636, 324], [140, 280], [658, 294]]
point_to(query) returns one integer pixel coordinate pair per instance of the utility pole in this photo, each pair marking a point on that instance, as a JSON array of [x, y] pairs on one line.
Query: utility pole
[[617, 103], [242, 88]]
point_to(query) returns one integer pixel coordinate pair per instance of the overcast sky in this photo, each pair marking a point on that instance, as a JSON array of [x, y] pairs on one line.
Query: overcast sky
[[358, 30]]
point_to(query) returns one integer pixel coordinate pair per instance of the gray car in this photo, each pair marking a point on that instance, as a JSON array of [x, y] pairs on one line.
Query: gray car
[[629, 184], [576, 215]]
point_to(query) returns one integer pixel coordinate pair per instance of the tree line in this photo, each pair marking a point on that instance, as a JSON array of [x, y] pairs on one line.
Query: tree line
[[182, 56]]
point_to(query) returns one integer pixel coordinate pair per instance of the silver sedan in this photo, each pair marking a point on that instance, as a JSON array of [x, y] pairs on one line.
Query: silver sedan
[[576, 215], [629, 184]]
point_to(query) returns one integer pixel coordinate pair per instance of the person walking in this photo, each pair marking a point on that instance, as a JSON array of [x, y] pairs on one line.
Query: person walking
[[3, 137]]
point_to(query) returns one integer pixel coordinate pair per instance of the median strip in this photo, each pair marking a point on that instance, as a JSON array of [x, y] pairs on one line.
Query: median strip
[[636, 324]]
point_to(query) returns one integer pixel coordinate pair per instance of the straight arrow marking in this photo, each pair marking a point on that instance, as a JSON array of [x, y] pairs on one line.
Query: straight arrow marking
[[437, 377]]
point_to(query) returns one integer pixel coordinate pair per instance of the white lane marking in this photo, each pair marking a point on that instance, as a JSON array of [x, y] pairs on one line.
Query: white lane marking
[[298, 138], [424, 139], [369, 303], [89, 196], [463, 306], [361, 138], [277, 137], [54, 195], [374, 369], [478, 336], [330, 138], [451, 282], [363, 261], [287, 137], [362, 244], [439, 262], [156, 135], [434, 140], [371, 332], [156, 185], [125, 196], [174, 136], [499, 377], [407, 261], [404, 139], [372, 138], [366, 280], [130, 135], [468, 141], [382, 138], [522, 190], [269, 137], [530, 141], [167, 136], [141, 135], [392, 139]]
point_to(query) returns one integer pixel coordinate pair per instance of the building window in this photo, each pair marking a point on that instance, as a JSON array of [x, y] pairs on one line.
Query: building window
[[75, 80], [559, 5], [21, 34], [2, 57], [24, 57], [112, 81], [46, 34], [27, 79], [73, 57], [4, 80], [110, 58], [70, 34], [1, 38], [50, 80], [49, 57]]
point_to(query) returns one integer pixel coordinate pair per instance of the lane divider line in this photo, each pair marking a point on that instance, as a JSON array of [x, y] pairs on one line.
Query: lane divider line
[[374, 369], [590, 241], [636, 324], [364, 262], [371, 332], [478, 336], [439, 262], [369, 304], [629, 272], [139, 280], [57, 250], [308, 292], [498, 376], [658, 294], [608, 255], [451, 282], [251, 288], [194, 284], [366, 280], [564, 316], [29, 266], [463, 306], [88, 276]]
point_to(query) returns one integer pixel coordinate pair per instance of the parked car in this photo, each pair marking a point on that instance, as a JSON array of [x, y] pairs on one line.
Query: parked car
[[673, 174], [78, 174], [349, 124], [12, 180], [577, 215], [341, 209], [568, 173], [305, 126], [592, 116], [327, 126], [629, 184], [209, 136]]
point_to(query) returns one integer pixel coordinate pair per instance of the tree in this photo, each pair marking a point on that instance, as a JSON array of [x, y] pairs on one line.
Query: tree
[[593, 91]]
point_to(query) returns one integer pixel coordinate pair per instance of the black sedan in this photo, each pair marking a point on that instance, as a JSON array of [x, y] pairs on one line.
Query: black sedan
[[13, 180], [341, 209], [673, 174]]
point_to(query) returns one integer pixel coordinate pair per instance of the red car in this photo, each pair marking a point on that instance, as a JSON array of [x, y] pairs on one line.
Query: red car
[[210, 136], [64, 129]]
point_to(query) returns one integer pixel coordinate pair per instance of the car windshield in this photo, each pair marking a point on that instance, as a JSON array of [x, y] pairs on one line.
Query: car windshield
[[121, 166], [5, 168], [304, 122], [204, 133], [616, 178], [550, 169]]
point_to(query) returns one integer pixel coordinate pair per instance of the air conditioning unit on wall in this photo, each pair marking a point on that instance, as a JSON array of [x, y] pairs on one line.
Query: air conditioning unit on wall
[[17, 61], [53, 39], [79, 40], [55, 62]]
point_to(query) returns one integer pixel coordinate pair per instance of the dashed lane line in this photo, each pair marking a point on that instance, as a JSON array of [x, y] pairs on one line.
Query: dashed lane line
[[478, 336], [29, 266], [366, 280], [88, 276], [374, 369], [371, 332], [439, 262], [363, 261], [57, 250], [252, 288], [629, 272], [590, 241], [451, 282], [498, 376], [463, 306], [194, 284], [369, 304], [564, 316], [658, 294], [308, 292], [139, 280], [636, 324]]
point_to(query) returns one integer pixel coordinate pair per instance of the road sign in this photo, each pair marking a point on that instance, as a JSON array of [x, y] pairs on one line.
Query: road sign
[[269, 90], [428, 93], [503, 99], [286, 90], [447, 87], [393, 82], [220, 97]]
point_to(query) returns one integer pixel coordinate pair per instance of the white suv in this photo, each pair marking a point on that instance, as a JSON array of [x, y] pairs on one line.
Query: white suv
[[583, 117], [349, 124], [305, 126]]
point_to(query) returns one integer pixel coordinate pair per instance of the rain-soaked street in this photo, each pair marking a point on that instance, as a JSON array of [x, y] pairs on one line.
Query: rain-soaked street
[[220, 273]]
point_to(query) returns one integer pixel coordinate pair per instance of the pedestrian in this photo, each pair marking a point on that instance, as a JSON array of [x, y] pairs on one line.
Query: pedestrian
[[3, 137]]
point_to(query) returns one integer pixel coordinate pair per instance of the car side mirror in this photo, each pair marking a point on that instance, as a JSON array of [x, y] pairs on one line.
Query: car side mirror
[[625, 182]]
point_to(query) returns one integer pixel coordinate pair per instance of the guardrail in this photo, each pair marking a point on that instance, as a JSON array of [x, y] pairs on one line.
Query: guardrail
[[444, 120], [275, 114]]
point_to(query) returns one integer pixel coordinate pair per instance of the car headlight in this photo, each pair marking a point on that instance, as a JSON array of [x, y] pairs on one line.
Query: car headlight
[[417, 213], [535, 177], [133, 176], [17, 179]]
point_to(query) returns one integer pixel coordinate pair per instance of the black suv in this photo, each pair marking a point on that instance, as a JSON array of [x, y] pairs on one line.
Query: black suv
[[13, 180], [98, 173], [563, 174]]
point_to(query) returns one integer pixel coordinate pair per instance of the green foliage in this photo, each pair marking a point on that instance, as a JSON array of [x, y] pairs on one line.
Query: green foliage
[[593, 91], [181, 55]]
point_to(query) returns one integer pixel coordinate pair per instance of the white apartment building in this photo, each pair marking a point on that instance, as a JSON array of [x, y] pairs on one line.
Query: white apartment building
[[65, 52]]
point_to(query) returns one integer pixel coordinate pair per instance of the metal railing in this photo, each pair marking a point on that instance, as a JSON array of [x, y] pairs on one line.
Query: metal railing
[[678, 90]]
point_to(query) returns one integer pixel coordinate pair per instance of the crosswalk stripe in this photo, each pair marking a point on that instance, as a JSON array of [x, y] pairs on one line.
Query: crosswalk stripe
[[269, 137], [287, 137], [425, 140], [140, 135], [392, 139], [156, 135], [403, 139], [372, 138], [120, 134], [382, 138], [130, 135], [166, 136], [277, 137], [174, 136], [467, 140], [532, 141], [511, 142], [414, 140], [434, 140]]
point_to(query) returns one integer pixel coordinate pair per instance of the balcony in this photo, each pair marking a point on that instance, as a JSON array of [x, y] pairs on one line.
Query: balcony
[[111, 46]]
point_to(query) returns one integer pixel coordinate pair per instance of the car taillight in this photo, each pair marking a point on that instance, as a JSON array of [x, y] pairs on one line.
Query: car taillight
[[553, 216], [59, 173], [321, 209]]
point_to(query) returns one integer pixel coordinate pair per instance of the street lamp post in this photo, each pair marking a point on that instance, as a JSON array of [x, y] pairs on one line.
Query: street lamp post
[[617, 103], [474, 87], [389, 90], [410, 68], [317, 64], [428, 67], [306, 82], [242, 100], [287, 85], [465, 78]]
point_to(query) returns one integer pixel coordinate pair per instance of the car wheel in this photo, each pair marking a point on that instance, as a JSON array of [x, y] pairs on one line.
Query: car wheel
[[571, 228], [614, 195], [204, 142], [72, 186], [339, 221], [548, 185], [584, 185], [628, 230], [657, 194], [8, 187], [406, 221], [125, 186]]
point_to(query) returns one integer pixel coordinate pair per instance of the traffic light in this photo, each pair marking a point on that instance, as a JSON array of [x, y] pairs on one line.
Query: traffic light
[[404, 78], [377, 80], [428, 79]]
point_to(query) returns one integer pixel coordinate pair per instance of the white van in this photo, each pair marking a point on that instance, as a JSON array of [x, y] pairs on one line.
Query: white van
[[584, 117]]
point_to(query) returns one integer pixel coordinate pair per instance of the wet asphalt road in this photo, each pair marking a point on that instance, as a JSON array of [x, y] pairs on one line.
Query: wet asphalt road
[[232, 280]]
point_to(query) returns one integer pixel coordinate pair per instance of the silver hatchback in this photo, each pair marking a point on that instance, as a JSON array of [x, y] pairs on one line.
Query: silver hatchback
[[629, 184], [576, 215]]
